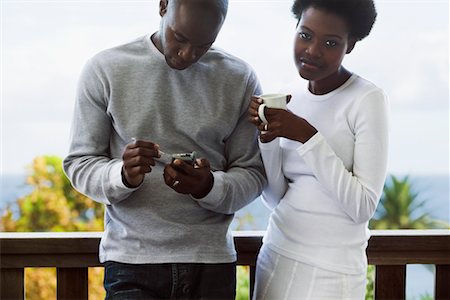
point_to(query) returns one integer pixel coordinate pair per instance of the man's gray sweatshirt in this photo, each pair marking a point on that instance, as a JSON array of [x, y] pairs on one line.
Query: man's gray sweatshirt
[[130, 91]]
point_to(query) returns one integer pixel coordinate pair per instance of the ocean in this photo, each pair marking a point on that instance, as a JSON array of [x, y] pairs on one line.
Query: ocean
[[434, 190]]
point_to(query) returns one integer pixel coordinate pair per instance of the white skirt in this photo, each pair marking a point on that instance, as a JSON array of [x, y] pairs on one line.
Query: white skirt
[[279, 277]]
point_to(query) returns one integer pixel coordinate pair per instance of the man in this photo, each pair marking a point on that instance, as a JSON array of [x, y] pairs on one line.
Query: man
[[166, 223]]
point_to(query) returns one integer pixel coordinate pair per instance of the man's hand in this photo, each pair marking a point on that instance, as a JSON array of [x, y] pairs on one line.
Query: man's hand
[[184, 178], [137, 161]]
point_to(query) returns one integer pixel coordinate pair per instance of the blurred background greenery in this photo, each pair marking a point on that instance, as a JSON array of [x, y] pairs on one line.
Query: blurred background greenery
[[53, 205]]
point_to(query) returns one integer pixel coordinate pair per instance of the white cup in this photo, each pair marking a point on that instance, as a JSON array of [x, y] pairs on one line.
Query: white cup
[[271, 101]]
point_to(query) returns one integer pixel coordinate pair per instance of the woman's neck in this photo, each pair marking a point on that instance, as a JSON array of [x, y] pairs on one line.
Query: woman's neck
[[332, 82]]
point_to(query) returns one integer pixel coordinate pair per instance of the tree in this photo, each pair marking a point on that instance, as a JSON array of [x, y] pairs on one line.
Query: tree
[[398, 205], [53, 205], [398, 208]]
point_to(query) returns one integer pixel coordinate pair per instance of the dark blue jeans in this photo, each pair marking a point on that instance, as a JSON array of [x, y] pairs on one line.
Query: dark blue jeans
[[170, 281]]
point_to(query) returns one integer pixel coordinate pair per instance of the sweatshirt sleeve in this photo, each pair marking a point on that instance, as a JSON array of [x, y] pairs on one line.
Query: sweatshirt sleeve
[[88, 165], [358, 191], [243, 179], [277, 184]]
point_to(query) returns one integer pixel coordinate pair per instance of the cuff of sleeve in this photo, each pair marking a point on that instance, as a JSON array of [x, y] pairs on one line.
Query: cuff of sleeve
[[214, 197], [310, 144], [274, 144], [115, 176]]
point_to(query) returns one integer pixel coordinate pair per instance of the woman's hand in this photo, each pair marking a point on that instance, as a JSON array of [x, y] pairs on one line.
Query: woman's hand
[[253, 111], [185, 178], [137, 161], [282, 123]]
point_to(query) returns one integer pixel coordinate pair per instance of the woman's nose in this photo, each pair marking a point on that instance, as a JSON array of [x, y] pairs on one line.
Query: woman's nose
[[314, 49]]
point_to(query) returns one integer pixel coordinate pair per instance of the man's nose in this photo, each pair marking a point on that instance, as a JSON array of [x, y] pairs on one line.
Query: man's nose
[[187, 53]]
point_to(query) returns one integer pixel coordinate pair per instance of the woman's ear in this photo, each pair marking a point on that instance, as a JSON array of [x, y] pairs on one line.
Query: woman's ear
[[351, 45], [163, 7]]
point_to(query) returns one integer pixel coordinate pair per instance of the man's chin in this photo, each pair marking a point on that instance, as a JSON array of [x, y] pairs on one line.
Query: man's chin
[[177, 65], [180, 68]]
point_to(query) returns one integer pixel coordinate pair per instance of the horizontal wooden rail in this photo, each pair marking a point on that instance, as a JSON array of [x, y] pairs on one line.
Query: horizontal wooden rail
[[72, 253]]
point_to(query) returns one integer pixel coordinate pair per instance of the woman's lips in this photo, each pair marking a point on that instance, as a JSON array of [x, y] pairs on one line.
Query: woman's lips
[[309, 64]]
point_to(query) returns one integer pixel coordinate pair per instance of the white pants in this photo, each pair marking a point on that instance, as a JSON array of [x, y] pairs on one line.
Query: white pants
[[279, 277]]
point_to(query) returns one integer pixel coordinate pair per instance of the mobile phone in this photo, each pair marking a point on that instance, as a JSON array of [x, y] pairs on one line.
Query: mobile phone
[[186, 157]]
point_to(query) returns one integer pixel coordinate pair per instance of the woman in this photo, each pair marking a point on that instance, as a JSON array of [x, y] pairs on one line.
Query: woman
[[325, 159]]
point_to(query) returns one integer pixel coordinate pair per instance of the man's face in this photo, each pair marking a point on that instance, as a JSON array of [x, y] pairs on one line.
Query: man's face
[[187, 31]]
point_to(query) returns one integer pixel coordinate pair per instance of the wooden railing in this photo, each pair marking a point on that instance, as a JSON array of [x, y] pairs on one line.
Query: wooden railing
[[73, 253]]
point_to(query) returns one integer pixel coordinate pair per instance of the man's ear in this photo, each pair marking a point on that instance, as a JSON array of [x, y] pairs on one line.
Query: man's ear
[[351, 45], [163, 7]]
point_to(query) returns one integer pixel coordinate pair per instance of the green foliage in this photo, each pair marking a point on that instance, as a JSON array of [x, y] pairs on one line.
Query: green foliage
[[53, 204], [426, 297], [397, 210], [398, 206], [242, 221], [370, 286], [243, 283]]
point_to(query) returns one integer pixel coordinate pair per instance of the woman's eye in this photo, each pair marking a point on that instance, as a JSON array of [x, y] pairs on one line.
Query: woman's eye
[[330, 43], [304, 36]]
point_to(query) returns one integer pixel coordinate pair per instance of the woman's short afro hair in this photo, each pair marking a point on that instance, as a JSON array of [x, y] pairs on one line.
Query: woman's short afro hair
[[359, 14]]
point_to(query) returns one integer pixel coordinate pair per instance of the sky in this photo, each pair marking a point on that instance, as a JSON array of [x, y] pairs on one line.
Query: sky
[[44, 45]]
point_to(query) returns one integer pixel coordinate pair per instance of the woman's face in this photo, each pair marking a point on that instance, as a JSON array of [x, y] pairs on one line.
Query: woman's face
[[321, 42]]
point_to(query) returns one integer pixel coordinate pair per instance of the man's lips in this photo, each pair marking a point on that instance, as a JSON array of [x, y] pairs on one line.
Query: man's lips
[[180, 65]]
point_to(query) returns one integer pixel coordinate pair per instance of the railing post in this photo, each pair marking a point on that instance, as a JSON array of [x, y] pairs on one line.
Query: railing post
[[252, 280], [12, 283], [442, 283], [72, 283], [390, 282]]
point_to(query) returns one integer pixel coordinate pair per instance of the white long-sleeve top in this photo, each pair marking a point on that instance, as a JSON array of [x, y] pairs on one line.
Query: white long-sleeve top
[[324, 192]]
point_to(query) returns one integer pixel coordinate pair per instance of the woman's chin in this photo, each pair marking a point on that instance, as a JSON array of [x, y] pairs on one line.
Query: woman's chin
[[305, 75]]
